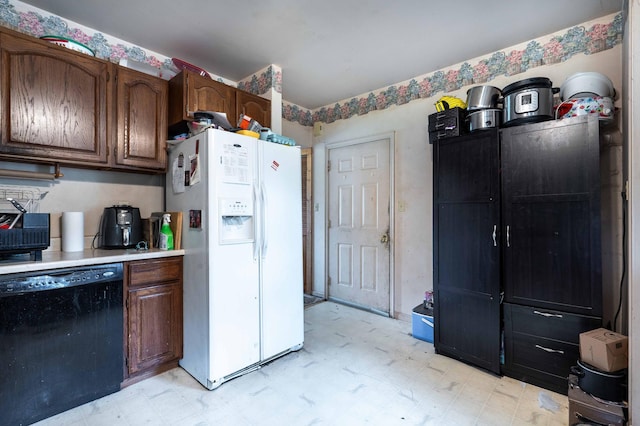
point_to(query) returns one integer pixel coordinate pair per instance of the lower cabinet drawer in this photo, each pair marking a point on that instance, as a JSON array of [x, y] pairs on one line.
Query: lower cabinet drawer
[[541, 345], [539, 354], [154, 271], [548, 323]]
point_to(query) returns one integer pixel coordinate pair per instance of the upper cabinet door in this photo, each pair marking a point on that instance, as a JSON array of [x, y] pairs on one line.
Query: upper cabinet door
[[53, 103], [551, 211], [204, 94], [190, 92], [141, 111], [254, 106]]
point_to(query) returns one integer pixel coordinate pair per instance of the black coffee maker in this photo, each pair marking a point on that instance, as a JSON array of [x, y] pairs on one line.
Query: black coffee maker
[[121, 227]]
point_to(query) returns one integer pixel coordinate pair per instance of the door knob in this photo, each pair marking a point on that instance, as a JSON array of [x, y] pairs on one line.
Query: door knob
[[385, 238]]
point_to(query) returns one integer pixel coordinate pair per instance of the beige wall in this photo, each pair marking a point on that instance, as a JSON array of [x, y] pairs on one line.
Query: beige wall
[[90, 192], [413, 177]]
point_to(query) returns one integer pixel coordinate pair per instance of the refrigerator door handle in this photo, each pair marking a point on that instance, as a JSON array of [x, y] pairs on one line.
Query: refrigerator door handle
[[265, 220], [256, 227]]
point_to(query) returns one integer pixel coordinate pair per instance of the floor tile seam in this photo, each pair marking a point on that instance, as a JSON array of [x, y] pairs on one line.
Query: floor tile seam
[[484, 404]]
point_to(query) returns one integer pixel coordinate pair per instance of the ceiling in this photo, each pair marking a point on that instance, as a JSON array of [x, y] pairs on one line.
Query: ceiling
[[328, 50]]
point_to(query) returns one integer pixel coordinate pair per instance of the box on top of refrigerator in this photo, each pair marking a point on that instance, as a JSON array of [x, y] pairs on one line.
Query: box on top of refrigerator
[[604, 349]]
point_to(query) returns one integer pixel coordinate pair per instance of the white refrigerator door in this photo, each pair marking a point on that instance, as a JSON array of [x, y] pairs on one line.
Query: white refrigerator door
[[195, 266], [221, 283], [234, 308], [282, 303]]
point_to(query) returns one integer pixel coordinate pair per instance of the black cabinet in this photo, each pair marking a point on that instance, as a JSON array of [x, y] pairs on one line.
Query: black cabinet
[[552, 262], [466, 249], [517, 214], [551, 215]]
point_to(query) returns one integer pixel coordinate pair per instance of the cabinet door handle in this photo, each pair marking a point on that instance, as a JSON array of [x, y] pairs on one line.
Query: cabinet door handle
[[553, 351], [547, 314], [495, 228], [508, 237]]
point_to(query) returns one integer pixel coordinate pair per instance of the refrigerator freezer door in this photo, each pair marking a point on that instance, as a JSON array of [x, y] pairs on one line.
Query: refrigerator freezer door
[[234, 309], [282, 303], [221, 284]]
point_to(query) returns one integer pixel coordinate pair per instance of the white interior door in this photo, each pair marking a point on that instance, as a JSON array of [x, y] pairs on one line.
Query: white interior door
[[359, 224]]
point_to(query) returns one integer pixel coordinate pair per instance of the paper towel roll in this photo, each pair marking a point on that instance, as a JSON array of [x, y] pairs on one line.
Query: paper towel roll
[[72, 231]]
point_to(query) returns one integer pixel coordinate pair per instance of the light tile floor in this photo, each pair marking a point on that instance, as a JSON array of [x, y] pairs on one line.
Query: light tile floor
[[355, 368]]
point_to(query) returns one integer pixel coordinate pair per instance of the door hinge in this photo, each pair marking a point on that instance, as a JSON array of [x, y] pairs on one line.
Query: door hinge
[[328, 281], [329, 223], [328, 166]]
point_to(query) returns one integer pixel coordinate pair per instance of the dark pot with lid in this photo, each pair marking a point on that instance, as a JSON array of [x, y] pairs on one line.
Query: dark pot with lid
[[610, 386], [528, 101]]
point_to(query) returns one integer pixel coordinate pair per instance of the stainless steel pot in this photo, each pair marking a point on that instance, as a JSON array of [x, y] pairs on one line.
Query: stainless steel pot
[[484, 119], [601, 384], [528, 101], [483, 97]]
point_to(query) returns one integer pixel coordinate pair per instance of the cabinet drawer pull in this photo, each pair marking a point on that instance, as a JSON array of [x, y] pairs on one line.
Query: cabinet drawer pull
[[495, 243], [553, 351], [547, 314], [508, 237]]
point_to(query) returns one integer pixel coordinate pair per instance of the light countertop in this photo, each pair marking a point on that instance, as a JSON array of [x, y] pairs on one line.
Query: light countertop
[[60, 259]]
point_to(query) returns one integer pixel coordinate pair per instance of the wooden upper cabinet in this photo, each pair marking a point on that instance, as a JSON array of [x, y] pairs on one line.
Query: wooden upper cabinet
[[141, 116], [53, 103], [190, 92], [254, 106]]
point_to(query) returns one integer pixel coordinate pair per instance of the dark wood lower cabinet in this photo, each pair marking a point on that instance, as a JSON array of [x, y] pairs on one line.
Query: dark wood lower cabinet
[[153, 318], [541, 345]]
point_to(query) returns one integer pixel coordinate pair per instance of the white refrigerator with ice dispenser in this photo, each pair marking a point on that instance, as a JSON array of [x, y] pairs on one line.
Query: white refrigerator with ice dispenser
[[242, 235]]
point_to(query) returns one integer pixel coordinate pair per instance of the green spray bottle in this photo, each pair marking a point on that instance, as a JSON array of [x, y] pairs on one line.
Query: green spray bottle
[[166, 235]]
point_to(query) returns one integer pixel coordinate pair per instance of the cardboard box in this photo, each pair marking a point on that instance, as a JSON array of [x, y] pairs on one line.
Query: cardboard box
[[604, 349], [422, 323]]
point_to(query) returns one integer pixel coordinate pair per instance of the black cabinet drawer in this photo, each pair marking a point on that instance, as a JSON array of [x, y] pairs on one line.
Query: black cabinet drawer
[[542, 362], [547, 323], [539, 354], [541, 345]]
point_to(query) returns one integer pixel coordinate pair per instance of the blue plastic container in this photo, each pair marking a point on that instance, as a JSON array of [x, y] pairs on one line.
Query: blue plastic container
[[422, 323]]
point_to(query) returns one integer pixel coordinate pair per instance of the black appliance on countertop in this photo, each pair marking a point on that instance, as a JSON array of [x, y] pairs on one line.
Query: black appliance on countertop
[[121, 227], [61, 340], [29, 234]]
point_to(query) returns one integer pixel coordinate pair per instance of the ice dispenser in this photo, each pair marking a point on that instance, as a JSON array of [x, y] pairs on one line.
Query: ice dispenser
[[236, 221]]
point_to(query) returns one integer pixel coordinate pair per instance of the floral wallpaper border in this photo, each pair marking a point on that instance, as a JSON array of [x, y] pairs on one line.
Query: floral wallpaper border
[[559, 48], [37, 25], [261, 82]]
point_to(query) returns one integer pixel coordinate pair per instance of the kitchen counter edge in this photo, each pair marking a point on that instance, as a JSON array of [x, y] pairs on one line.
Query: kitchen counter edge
[[59, 259]]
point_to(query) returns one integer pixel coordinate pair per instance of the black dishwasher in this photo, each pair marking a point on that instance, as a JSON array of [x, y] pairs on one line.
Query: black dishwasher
[[61, 340]]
